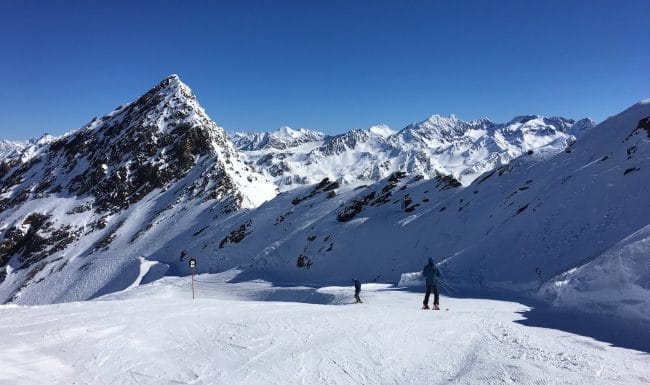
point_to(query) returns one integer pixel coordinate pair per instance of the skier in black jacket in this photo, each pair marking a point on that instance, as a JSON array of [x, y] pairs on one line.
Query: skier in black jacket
[[357, 290], [431, 274]]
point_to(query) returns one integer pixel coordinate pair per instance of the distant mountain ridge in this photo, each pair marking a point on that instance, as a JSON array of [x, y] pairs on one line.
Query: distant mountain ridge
[[10, 148], [282, 139], [437, 145]]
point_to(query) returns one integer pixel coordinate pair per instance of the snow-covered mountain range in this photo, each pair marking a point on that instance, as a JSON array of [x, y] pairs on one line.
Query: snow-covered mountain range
[[438, 145], [9, 149], [537, 205]]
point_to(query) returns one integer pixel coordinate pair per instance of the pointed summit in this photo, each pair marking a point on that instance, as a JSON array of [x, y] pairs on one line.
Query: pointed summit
[[174, 83], [142, 146]]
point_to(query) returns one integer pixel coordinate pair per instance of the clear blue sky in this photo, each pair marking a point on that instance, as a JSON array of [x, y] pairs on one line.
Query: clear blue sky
[[326, 65]]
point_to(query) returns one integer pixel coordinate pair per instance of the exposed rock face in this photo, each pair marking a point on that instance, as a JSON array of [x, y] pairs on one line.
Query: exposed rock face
[[126, 154]]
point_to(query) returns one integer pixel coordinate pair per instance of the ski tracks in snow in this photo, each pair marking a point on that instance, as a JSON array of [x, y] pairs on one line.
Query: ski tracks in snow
[[156, 334]]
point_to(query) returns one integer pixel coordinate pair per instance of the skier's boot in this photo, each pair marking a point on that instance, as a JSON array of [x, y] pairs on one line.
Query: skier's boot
[[436, 307], [425, 307]]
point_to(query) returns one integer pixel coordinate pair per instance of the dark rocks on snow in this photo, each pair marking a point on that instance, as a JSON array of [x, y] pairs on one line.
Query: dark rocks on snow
[[521, 209], [570, 147], [323, 185], [354, 207], [445, 182], [236, 235], [396, 176], [303, 261], [104, 243], [407, 204], [80, 209], [279, 168], [645, 125], [386, 191], [202, 229], [41, 240], [282, 217], [504, 169]]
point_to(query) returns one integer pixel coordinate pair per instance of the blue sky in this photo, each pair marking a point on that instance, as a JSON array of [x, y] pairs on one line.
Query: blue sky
[[324, 65]]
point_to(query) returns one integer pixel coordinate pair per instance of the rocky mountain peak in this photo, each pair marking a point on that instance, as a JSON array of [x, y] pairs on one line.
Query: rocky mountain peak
[[131, 151], [173, 84]]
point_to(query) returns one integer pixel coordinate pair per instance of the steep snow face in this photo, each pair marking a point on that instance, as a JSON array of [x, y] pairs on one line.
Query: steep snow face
[[75, 198], [439, 144], [616, 283]]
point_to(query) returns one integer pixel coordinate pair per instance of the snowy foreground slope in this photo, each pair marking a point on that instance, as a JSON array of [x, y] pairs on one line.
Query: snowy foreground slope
[[255, 333]]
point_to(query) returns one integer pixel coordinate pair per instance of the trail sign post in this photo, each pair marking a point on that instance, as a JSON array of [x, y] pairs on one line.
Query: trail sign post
[[192, 266]]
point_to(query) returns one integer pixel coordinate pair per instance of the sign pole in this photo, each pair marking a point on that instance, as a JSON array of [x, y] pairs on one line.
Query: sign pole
[[192, 283], [192, 266]]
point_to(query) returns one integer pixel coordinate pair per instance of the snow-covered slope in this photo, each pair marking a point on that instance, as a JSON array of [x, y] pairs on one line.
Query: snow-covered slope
[[439, 144], [513, 228], [615, 283], [256, 333]]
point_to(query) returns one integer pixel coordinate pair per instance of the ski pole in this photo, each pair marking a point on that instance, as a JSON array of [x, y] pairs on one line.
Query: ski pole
[[447, 283], [446, 287]]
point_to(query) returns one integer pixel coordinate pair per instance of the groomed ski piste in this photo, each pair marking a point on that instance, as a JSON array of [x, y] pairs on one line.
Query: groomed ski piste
[[258, 333]]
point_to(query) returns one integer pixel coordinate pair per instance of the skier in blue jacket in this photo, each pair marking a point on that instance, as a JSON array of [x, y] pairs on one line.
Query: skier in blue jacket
[[431, 274]]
